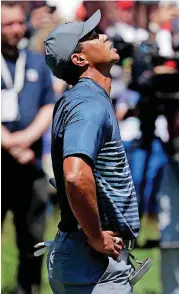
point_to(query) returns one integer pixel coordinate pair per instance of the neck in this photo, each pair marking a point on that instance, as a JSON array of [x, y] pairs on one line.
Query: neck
[[11, 52], [101, 77]]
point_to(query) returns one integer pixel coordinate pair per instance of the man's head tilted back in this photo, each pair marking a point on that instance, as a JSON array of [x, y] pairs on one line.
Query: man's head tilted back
[[75, 46]]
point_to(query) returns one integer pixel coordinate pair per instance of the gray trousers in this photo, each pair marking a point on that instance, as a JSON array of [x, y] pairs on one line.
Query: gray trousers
[[74, 267]]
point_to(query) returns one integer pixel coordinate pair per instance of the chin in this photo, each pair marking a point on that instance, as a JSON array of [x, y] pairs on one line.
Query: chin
[[14, 42], [116, 59]]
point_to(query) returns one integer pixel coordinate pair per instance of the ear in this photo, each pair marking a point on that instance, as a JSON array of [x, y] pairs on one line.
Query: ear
[[79, 59]]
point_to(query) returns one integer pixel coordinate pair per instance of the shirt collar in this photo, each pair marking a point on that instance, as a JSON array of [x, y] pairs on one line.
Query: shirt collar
[[95, 86]]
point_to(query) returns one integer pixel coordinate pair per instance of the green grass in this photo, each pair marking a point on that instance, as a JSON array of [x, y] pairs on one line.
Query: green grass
[[150, 284]]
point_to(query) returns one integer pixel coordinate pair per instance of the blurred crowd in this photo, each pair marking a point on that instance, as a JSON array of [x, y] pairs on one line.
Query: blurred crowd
[[145, 96]]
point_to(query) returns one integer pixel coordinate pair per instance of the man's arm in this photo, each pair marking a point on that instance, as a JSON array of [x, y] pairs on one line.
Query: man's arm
[[35, 130], [81, 193]]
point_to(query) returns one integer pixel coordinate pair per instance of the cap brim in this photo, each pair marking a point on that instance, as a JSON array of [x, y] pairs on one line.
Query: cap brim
[[91, 23]]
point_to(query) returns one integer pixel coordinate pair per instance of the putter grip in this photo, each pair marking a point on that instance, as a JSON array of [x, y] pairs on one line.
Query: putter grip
[[118, 240]]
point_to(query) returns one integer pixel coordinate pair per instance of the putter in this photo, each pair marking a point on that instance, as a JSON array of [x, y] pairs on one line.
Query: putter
[[141, 270]]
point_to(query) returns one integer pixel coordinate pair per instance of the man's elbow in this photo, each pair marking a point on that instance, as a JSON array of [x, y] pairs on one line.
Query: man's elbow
[[76, 171], [72, 178]]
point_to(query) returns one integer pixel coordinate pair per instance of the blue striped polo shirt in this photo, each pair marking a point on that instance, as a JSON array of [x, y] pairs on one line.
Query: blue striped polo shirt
[[85, 124]]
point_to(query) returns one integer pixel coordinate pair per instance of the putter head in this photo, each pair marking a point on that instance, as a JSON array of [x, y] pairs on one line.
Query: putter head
[[140, 271]]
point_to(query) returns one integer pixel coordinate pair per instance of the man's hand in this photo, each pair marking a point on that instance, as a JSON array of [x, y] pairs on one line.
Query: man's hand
[[106, 244], [40, 17], [21, 139], [23, 156], [16, 144]]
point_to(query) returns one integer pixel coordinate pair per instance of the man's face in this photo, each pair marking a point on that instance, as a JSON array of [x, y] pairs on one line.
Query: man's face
[[12, 25], [98, 50]]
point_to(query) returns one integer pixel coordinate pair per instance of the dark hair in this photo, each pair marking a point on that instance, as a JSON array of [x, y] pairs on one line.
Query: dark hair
[[11, 3], [72, 73]]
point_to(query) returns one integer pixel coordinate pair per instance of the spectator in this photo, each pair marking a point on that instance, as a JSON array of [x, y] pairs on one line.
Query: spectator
[[27, 105], [125, 25], [38, 15]]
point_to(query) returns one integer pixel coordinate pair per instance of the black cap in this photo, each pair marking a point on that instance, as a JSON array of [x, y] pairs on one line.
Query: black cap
[[62, 42]]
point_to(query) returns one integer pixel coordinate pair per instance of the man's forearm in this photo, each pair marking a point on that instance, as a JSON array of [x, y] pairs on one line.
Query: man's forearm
[[5, 137], [41, 123], [81, 193], [26, 137]]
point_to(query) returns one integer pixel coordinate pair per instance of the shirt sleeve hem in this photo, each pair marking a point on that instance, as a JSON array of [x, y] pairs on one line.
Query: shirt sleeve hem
[[78, 152]]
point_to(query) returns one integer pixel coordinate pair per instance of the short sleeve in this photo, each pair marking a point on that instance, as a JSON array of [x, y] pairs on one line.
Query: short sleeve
[[86, 130], [48, 95]]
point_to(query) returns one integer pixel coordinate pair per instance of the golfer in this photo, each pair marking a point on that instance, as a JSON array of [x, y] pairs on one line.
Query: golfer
[[99, 212]]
